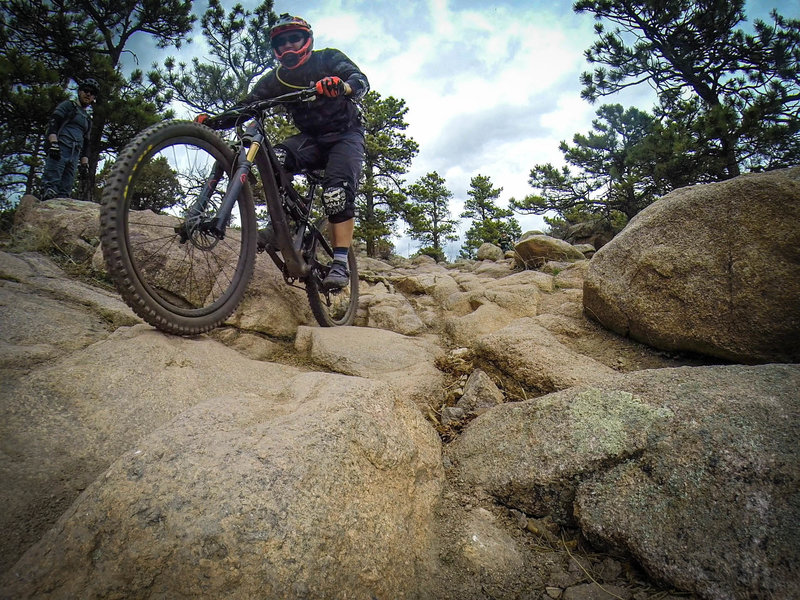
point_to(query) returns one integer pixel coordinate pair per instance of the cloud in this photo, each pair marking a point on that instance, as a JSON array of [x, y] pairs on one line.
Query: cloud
[[491, 87], [474, 78], [462, 136]]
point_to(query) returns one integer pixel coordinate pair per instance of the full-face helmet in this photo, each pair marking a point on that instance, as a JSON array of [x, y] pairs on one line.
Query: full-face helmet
[[289, 28]]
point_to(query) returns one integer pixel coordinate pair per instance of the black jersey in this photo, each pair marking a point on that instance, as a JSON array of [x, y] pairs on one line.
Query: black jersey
[[324, 115]]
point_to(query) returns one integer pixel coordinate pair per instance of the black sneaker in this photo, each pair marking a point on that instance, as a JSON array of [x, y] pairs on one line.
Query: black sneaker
[[338, 277], [266, 238]]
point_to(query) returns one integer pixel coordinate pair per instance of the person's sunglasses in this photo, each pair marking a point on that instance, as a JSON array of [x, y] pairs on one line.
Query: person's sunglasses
[[92, 92], [289, 38]]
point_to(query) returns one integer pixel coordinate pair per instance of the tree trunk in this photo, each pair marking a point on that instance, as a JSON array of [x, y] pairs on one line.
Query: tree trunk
[[31, 177], [729, 152], [95, 141]]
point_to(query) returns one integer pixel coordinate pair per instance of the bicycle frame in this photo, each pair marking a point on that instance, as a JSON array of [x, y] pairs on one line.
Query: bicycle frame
[[257, 150], [293, 263]]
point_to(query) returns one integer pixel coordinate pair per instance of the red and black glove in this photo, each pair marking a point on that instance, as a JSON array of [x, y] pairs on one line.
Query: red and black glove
[[217, 122], [330, 87]]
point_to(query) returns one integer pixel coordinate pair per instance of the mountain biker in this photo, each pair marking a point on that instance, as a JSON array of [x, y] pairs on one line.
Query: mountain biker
[[68, 142], [331, 128]]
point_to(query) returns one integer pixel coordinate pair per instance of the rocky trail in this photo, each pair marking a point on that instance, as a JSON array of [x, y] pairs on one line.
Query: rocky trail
[[475, 436]]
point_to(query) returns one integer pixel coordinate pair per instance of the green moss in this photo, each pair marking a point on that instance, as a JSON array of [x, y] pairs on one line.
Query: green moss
[[612, 422], [116, 319]]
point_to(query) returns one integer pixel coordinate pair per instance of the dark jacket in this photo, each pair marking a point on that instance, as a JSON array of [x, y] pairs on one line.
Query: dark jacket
[[72, 124], [324, 115]]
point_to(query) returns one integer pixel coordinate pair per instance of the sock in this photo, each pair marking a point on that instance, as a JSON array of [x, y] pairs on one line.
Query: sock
[[340, 254]]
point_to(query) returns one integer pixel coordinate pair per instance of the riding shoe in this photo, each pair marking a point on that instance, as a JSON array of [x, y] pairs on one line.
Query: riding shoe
[[266, 238], [338, 277]]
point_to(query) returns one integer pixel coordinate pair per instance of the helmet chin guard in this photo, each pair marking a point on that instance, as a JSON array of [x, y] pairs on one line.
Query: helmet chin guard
[[291, 59]]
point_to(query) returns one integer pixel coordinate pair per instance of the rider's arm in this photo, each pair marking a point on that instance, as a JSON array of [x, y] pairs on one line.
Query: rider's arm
[[85, 148], [57, 120], [266, 87], [346, 69]]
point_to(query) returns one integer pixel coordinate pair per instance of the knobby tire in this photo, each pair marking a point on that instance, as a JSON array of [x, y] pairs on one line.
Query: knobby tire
[[331, 308], [180, 288]]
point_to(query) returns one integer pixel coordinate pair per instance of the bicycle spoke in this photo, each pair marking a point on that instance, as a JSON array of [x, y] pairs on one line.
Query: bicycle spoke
[[182, 264]]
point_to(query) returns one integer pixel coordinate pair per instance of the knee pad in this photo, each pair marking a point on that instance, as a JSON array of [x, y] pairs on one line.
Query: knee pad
[[336, 202], [348, 213], [284, 156]]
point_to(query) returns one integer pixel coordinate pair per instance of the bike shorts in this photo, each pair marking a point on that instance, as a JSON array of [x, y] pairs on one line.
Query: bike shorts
[[339, 154]]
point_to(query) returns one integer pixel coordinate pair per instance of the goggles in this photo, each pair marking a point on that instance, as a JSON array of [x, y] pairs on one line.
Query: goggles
[[288, 38]]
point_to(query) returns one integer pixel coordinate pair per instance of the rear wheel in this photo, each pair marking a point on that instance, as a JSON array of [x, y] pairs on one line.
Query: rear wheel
[[331, 308], [167, 263]]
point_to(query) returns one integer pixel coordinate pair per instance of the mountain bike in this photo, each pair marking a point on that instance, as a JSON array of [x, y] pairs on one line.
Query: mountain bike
[[179, 228]]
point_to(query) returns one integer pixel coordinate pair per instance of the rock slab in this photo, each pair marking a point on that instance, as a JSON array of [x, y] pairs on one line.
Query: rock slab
[[712, 269], [292, 496], [692, 471]]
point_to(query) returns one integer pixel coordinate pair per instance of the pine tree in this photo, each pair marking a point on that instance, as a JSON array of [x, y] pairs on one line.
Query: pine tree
[[738, 92], [157, 187], [490, 223], [387, 158], [614, 175], [72, 40], [239, 53], [26, 86], [427, 213]]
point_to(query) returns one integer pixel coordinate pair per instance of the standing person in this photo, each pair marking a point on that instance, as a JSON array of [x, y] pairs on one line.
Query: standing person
[[68, 142], [331, 128]]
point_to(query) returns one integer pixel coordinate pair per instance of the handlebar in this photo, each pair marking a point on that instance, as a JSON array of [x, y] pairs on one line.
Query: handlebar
[[305, 95], [255, 108]]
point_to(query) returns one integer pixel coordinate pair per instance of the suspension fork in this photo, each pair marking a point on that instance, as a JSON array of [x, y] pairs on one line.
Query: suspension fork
[[251, 143], [199, 205]]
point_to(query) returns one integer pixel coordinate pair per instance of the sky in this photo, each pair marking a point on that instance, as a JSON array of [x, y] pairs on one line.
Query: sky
[[492, 88]]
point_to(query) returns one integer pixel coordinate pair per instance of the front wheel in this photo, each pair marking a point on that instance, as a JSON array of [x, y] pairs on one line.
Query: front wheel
[[172, 267], [331, 308]]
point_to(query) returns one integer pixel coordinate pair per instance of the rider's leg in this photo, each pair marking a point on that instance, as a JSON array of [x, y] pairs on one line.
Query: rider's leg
[[340, 213], [67, 182], [342, 233], [343, 168], [345, 158], [51, 177], [300, 152]]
